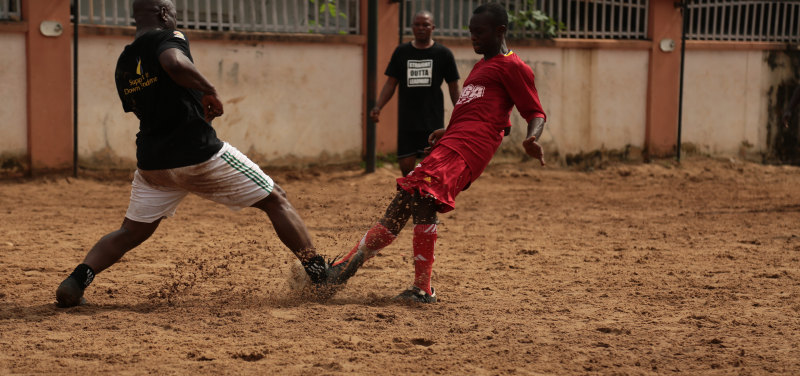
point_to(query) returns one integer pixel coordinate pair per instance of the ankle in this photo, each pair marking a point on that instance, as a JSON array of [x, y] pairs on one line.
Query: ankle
[[83, 274], [315, 268]]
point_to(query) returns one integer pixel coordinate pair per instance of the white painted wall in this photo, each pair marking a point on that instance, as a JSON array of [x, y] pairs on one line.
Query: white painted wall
[[102, 124], [284, 103], [594, 98], [726, 100], [13, 93]]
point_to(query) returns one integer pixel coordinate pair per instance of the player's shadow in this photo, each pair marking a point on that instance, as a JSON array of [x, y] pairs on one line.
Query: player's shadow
[[48, 310], [39, 312]]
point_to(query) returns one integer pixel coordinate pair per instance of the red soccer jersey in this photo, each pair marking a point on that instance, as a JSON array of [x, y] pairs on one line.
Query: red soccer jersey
[[483, 110]]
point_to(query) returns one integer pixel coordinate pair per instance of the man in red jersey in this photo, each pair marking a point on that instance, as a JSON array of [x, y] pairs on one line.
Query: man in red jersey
[[458, 154]]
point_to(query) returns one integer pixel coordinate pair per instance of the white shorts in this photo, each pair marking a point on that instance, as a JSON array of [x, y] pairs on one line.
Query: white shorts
[[229, 178]]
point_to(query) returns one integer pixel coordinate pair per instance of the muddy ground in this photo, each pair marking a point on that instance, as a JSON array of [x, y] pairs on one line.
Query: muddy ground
[[631, 269]]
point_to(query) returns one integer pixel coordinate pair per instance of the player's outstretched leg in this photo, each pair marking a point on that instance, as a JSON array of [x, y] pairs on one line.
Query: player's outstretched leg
[[293, 233], [108, 250], [378, 237]]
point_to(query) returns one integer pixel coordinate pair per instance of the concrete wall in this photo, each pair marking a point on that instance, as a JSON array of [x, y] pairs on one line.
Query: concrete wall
[[727, 99], [284, 103], [594, 98], [13, 91], [290, 103]]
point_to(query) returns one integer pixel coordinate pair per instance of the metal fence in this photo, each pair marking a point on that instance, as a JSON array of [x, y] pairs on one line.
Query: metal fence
[[288, 16], [10, 10], [726, 20], [585, 19]]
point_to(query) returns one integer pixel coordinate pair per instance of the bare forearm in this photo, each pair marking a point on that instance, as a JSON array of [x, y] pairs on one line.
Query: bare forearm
[[387, 92], [535, 128], [454, 92]]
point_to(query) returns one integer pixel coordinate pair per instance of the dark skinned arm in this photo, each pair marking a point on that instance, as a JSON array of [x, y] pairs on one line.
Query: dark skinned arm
[[454, 91], [532, 148], [386, 93], [184, 73]]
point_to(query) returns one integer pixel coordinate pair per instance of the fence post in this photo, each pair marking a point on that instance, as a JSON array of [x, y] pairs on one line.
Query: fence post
[[372, 56]]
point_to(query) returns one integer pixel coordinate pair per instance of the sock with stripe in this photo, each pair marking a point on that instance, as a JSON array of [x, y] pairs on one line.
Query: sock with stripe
[[377, 238], [424, 242]]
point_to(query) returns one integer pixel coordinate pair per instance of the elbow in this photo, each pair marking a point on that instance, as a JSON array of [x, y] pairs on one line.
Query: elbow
[[171, 66]]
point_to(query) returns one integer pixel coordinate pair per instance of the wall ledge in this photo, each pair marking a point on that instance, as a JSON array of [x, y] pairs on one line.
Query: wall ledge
[[620, 44], [552, 43], [13, 26], [228, 36], [722, 45]]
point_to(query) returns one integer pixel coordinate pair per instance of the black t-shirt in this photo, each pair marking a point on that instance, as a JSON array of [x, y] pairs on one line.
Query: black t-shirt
[[420, 74], [172, 129]]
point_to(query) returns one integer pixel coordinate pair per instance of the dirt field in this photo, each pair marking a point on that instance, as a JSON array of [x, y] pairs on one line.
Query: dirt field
[[631, 269]]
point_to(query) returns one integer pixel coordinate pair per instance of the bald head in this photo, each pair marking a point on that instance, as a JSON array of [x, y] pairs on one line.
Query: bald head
[[154, 14], [424, 13]]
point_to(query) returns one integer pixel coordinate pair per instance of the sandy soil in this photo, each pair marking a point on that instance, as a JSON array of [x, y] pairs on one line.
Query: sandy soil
[[630, 269]]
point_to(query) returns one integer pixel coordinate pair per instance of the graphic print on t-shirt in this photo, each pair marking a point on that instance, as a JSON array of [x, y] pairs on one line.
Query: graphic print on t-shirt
[[419, 73], [470, 93], [139, 83]]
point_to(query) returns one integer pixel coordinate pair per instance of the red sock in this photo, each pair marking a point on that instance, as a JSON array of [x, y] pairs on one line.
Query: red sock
[[377, 238], [424, 242]]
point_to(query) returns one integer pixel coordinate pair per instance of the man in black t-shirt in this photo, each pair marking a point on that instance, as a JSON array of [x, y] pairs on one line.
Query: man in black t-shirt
[[418, 67], [178, 152]]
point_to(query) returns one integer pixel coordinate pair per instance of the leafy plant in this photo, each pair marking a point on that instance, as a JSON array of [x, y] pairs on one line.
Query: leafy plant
[[537, 21], [326, 6]]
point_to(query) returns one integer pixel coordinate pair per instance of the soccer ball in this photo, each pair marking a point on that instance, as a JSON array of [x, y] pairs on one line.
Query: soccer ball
[[297, 278]]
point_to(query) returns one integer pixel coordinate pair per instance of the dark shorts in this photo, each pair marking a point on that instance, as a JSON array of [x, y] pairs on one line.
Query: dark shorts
[[412, 143], [443, 174]]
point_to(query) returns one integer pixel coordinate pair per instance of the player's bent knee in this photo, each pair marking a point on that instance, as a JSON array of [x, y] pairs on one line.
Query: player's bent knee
[[278, 191], [137, 232], [276, 200]]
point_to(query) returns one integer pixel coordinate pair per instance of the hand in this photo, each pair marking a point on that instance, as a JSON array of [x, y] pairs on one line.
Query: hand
[[787, 117], [375, 114], [433, 139], [212, 106], [533, 149]]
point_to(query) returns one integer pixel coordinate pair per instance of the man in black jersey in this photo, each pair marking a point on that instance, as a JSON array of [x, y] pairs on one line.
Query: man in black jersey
[[178, 152], [418, 67]]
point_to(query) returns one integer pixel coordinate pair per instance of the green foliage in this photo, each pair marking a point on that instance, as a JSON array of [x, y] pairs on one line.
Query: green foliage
[[326, 6], [381, 160], [536, 20]]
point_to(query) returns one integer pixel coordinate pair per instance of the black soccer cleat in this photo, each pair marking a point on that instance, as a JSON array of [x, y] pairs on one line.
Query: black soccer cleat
[[340, 271], [416, 295], [317, 269], [319, 272], [328, 277], [69, 294]]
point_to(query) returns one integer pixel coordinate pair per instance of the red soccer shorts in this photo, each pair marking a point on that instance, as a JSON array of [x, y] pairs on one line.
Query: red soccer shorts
[[443, 174]]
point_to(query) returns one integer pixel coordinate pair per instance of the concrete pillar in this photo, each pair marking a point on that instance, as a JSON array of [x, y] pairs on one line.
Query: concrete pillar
[[661, 132], [49, 87], [388, 29]]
